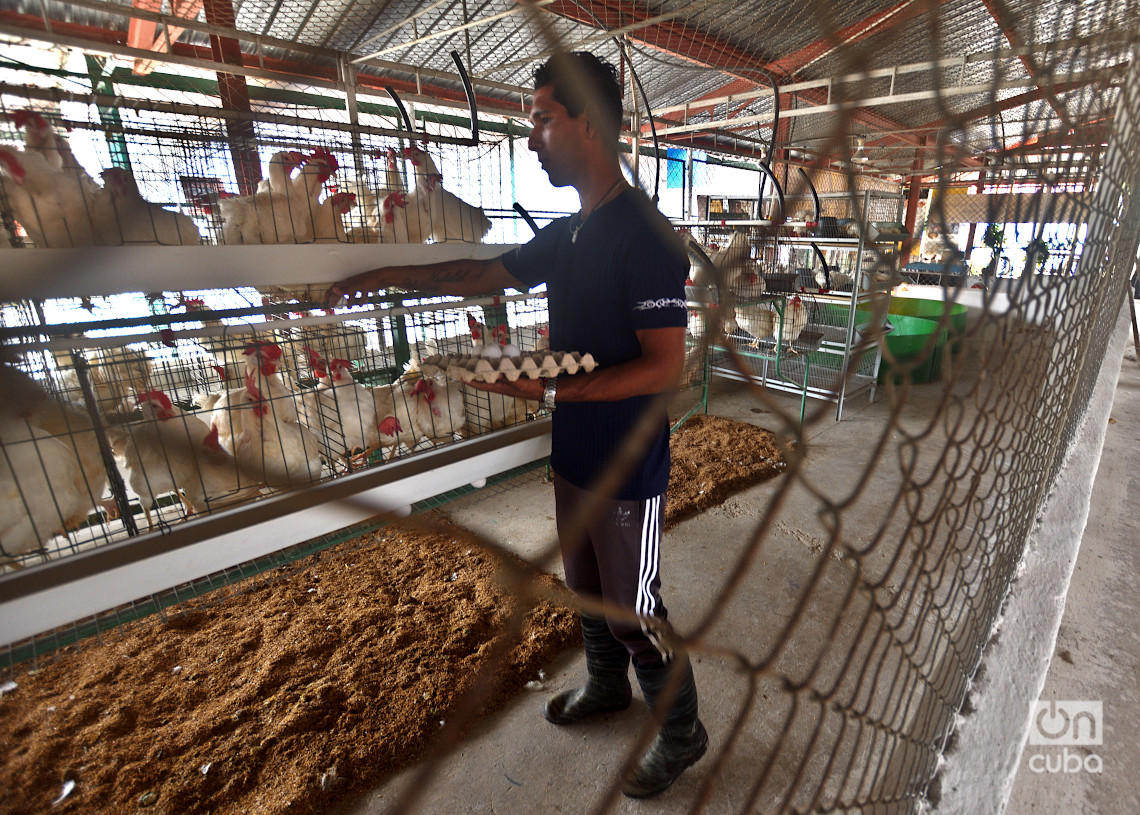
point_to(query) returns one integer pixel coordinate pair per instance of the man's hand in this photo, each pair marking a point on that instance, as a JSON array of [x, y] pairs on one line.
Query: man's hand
[[465, 277], [356, 288], [346, 291], [521, 388]]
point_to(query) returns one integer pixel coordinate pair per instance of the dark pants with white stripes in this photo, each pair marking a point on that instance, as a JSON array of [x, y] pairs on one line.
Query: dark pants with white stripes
[[615, 559]]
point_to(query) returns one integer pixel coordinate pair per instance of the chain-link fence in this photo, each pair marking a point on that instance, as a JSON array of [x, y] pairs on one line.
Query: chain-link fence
[[859, 671]]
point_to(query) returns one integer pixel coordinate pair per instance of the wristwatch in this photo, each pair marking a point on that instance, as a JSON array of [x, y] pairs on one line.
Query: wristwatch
[[549, 388]]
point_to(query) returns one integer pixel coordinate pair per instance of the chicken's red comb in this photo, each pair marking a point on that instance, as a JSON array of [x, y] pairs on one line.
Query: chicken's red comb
[[265, 349], [21, 117], [192, 303], [413, 154], [424, 387], [323, 154], [158, 397], [13, 166]]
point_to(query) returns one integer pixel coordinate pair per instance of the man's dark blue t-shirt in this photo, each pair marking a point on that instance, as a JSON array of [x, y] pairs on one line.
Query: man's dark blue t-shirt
[[624, 273]]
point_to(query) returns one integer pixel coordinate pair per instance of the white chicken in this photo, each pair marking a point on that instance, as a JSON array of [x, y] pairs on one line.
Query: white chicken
[[341, 410], [439, 414], [63, 420], [481, 334], [759, 322], [795, 319], [449, 218], [278, 213], [401, 220], [375, 203], [123, 216], [316, 168], [832, 279], [489, 411], [175, 451], [728, 262], [395, 404], [115, 375], [54, 206], [40, 137], [329, 225], [42, 488], [259, 424]]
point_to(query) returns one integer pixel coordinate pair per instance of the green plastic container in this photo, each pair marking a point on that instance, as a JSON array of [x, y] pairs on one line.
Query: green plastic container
[[909, 342], [933, 310]]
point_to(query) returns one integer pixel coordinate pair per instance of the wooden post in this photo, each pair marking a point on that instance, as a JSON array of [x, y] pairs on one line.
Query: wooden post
[[913, 196]]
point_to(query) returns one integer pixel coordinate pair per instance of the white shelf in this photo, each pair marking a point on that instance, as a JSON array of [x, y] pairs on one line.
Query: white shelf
[[42, 274]]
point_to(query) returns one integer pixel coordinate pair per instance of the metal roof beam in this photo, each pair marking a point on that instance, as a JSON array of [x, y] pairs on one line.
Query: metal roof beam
[[447, 32], [1078, 80], [1117, 38], [1006, 23], [261, 41], [100, 40]]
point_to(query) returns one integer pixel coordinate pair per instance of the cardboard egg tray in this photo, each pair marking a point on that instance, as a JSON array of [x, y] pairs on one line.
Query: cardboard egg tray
[[531, 364]]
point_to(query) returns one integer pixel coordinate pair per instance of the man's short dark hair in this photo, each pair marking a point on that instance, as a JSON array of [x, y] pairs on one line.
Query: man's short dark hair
[[581, 79]]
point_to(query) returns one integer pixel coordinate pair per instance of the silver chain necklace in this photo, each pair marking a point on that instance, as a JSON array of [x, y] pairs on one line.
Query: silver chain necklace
[[576, 228]]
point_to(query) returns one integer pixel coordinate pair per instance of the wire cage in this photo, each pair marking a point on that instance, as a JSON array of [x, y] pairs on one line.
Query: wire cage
[[177, 177], [183, 403]]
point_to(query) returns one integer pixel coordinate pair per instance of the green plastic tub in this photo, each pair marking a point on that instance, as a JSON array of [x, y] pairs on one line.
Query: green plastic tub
[[909, 342], [933, 310]]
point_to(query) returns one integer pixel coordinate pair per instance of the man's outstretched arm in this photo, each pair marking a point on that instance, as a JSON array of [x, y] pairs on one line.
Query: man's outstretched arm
[[466, 277]]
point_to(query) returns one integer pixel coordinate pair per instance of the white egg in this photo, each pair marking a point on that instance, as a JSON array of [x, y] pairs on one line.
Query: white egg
[[479, 483], [492, 352], [511, 350]]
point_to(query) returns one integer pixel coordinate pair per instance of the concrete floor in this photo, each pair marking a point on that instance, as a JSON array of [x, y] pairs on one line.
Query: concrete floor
[[515, 762]]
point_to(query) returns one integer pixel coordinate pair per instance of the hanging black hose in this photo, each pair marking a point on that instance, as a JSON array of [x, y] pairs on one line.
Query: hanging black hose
[[823, 261], [772, 140], [652, 126], [779, 192], [814, 194], [403, 111], [471, 106], [526, 216]]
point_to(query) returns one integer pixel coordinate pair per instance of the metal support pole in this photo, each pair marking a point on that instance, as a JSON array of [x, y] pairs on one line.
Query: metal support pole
[[114, 478]]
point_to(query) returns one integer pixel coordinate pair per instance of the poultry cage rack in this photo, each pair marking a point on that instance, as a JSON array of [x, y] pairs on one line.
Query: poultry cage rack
[[801, 304]]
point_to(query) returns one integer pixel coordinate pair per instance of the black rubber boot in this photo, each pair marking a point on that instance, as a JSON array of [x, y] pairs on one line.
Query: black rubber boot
[[607, 688], [682, 739]]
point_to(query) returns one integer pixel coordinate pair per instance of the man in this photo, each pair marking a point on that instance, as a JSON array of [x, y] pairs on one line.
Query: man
[[615, 287]]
